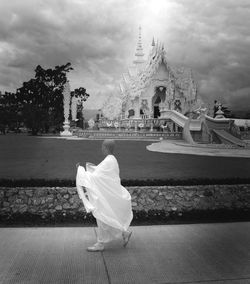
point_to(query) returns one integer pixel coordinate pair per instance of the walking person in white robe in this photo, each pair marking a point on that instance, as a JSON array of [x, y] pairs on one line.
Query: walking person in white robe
[[107, 199]]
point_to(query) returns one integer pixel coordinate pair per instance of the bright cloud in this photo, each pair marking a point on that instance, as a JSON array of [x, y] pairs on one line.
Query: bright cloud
[[99, 39]]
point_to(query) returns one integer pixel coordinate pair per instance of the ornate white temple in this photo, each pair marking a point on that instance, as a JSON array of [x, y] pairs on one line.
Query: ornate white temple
[[151, 87], [155, 100]]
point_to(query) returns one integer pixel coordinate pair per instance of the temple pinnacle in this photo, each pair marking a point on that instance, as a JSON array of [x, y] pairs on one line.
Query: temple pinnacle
[[139, 50]]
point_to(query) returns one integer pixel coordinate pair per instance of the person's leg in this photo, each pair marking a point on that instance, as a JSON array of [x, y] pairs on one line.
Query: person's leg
[[105, 234], [126, 237]]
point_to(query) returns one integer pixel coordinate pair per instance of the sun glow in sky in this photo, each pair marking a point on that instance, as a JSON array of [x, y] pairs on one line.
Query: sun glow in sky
[[99, 39]]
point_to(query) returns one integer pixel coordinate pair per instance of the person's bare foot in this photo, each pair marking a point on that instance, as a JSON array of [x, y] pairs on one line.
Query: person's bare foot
[[96, 247], [126, 237]]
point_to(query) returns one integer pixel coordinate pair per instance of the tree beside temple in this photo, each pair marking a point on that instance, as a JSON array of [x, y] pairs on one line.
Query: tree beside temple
[[38, 104], [41, 98], [9, 111]]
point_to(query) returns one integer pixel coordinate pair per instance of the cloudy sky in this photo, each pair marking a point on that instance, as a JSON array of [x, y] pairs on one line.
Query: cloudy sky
[[99, 38]]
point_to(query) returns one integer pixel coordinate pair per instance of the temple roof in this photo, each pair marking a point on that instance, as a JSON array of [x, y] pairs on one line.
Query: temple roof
[[137, 79], [139, 51]]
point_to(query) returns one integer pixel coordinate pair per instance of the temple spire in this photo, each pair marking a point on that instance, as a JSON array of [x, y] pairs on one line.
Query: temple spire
[[139, 50]]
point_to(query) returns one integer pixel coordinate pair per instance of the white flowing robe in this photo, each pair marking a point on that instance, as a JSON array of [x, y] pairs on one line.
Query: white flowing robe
[[108, 200]]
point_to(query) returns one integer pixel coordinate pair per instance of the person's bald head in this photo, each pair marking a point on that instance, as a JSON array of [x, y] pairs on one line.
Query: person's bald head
[[108, 147]]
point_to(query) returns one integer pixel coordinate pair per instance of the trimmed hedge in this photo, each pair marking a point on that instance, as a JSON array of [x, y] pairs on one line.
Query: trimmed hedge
[[151, 217], [148, 182]]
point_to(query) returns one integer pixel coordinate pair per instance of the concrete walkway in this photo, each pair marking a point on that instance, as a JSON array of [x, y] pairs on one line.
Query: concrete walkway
[[200, 253], [167, 146]]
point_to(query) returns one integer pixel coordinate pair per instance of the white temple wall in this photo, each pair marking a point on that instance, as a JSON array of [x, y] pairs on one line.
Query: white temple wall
[[162, 73], [148, 95], [160, 78], [182, 100], [136, 107]]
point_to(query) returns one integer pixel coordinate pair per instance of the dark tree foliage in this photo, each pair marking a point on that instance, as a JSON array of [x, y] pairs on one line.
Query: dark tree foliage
[[81, 94], [39, 102], [247, 116], [41, 98], [10, 115], [227, 112]]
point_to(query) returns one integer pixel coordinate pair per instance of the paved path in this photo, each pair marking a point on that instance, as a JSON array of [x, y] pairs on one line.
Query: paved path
[[200, 253], [167, 146]]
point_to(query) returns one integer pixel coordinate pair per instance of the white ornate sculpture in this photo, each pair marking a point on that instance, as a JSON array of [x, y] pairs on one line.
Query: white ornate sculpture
[[109, 124], [74, 103], [141, 125], [91, 123], [112, 107], [66, 105], [219, 113], [116, 124]]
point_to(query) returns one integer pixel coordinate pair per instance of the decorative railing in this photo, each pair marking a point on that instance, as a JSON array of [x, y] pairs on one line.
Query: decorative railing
[[245, 135], [127, 134], [143, 123], [166, 121]]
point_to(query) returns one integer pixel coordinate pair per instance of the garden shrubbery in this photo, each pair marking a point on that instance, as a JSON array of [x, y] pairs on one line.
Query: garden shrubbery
[[148, 182], [151, 217]]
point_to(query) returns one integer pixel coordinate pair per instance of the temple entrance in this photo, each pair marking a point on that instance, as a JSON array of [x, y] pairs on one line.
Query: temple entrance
[[160, 96], [156, 111]]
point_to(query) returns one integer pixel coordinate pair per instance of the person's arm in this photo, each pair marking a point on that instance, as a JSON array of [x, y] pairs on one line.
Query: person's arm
[[81, 182], [90, 167]]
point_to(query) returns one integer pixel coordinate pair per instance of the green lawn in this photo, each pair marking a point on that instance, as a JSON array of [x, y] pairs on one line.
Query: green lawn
[[24, 156]]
